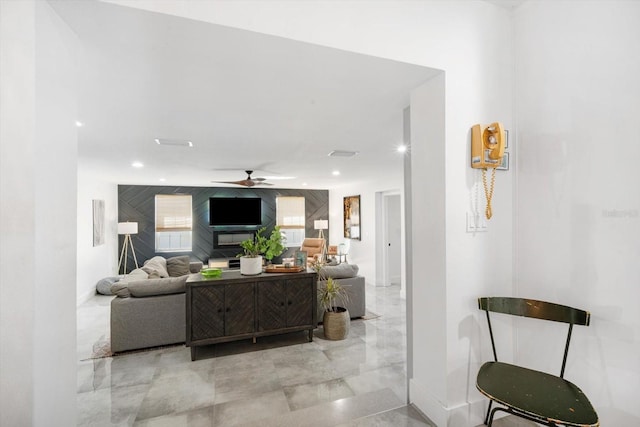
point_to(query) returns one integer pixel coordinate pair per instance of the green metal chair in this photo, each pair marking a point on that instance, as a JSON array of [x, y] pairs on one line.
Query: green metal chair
[[530, 394]]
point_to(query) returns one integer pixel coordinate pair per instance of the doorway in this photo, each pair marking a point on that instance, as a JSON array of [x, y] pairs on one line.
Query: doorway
[[389, 241]]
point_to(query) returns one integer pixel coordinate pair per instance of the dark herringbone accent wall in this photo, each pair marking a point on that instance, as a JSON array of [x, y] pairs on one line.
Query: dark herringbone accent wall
[[137, 203]]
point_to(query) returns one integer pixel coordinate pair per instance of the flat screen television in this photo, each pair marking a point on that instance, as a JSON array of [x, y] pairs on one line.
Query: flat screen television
[[235, 211]]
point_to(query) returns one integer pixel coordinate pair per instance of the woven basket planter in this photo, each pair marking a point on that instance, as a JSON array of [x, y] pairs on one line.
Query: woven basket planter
[[336, 324]]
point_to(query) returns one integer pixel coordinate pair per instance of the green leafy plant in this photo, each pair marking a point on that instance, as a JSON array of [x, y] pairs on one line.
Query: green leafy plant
[[274, 245], [331, 294], [259, 244]]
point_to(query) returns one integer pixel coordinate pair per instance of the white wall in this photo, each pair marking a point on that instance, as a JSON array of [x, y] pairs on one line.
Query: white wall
[[39, 151], [361, 252], [95, 262], [470, 41], [578, 205]]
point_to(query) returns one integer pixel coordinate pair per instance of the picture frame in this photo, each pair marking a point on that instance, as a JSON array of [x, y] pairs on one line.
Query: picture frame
[[98, 222], [351, 217], [504, 166], [301, 259]]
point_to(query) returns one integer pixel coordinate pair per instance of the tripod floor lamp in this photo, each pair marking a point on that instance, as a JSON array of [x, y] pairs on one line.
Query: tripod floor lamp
[[321, 225], [127, 228]]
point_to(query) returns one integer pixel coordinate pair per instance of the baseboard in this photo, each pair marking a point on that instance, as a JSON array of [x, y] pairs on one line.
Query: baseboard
[[427, 403], [463, 415], [81, 299]]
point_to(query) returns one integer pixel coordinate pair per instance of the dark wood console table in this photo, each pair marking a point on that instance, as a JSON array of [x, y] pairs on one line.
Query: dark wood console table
[[234, 307]]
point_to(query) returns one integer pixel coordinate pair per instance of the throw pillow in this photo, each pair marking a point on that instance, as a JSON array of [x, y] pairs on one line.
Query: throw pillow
[[104, 285], [120, 288], [340, 271], [151, 287], [158, 264], [178, 266]]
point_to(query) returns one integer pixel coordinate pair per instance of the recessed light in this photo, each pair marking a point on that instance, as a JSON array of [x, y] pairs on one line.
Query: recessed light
[[79, 123], [335, 173], [342, 153], [137, 164], [174, 142], [304, 184], [162, 180], [402, 148]]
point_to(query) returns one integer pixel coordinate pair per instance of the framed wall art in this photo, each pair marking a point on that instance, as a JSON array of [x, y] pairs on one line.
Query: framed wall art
[[98, 222], [351, 215]]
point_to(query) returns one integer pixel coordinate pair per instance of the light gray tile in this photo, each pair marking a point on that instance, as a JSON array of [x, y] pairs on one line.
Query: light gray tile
[[406, 416], [332, 413], [243, 383], [246, 383], [202, 417], [110, 406], [393, 377], [180, 389], [304, 396], [241, 412]]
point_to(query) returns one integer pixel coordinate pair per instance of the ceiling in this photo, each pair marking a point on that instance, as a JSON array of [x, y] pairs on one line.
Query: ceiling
[[246, 101]]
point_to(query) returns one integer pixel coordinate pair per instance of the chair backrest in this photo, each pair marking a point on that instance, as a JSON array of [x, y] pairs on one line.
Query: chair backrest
[[312, 245], [536, 309]]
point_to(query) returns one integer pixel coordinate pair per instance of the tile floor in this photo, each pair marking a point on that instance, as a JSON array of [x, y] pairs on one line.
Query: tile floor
[[280, 381]]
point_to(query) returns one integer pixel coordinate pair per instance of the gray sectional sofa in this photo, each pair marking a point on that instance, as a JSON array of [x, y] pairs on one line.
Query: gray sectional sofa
[[347, 276], [149, 308]]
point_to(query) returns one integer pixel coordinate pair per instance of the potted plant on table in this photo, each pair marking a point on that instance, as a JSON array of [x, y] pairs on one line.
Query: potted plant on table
[[331, 295], [254, 248]]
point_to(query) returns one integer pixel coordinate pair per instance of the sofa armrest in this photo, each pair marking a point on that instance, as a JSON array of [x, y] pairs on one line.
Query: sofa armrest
[[195, 266]]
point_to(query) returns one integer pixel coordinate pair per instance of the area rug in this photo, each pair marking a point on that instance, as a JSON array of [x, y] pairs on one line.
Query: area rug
[[369, 315], [102, 349]]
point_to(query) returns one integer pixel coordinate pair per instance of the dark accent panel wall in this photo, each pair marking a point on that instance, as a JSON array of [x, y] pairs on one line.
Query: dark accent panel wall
[[137, 203]]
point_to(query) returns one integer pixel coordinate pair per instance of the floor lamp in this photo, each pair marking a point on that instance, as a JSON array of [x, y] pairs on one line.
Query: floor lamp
[[127, 228], [321, 225]]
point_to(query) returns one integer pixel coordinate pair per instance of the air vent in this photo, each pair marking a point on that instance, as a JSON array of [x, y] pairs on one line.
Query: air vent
[[342, 153], [174, 142]]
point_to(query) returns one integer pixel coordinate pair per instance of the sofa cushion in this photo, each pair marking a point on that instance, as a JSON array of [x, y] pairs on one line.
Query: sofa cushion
[[120, 288], [340, 271], [104, 285], [158, 264], [150, 287], [165, 286], [178, 266]]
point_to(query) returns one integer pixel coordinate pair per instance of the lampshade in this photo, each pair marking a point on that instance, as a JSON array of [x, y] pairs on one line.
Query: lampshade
[[127, 228], [321, 224]]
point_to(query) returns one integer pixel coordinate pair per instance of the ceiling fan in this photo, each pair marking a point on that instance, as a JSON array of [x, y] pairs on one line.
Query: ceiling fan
[[248, 182]]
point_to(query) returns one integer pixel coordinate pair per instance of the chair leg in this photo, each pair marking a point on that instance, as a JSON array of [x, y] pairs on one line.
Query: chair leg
[[486, 419]]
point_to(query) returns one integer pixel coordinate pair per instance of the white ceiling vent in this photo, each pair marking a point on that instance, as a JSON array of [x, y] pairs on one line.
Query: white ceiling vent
[[342, 153], [174, 142]]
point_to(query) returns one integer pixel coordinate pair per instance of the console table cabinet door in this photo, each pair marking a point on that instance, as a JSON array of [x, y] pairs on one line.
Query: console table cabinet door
[[207, 313], [299, 300], [239, 309], [271, 305]]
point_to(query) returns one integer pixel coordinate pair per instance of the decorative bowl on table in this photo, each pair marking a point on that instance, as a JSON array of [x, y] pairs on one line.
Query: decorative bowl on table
[[209, 273]]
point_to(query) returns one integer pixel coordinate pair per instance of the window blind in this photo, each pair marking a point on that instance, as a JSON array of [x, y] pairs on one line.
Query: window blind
[[173, 212], [290, 212]]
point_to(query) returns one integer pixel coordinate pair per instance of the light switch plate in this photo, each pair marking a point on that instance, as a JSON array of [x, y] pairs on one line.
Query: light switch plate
[[476, 223]]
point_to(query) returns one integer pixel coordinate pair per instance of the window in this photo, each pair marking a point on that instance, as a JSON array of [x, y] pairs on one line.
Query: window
[[291, 218], [173, 223]]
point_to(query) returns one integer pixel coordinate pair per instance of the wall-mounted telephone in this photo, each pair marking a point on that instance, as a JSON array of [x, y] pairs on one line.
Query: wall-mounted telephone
[[487, 149]]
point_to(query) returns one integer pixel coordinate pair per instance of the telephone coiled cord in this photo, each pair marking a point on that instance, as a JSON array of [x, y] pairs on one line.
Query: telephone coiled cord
[[488, 191]]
